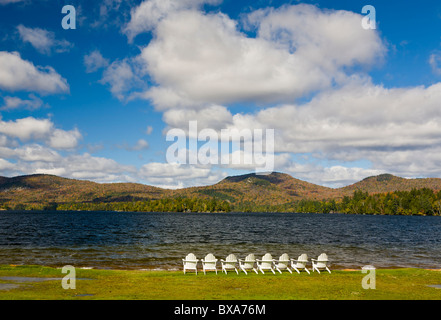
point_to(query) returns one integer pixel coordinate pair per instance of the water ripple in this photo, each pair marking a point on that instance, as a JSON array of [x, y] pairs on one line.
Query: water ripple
[[161, 240]]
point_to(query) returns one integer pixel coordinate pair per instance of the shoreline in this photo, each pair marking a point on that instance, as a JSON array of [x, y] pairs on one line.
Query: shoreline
[[155, 269], [39, 211]]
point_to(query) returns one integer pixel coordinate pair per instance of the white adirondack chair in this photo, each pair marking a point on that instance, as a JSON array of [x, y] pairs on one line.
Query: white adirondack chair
[[300, 263], [266, 263], [248, 263], [283, 263], [190, 263], [229, 263], [209, 263], [321, 263]]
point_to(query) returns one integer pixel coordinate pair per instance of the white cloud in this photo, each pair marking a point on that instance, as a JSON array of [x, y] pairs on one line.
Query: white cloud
[[198, 59], [122, 78], [435, 62], [95, 61], [14, 103], [27, 128], [53, 171], [172, 176], [42, 130], [17, 74], [390, 129], [60, 139], [357, 115], [29, 153], [82, 166], [156, 169], [109, 5], [35, 152], [141, 144], [6, 165], [214, 117], [42, 40], [334, 176], [4, 2], [110, 13], [328, 38], [149, 13], [96, 168]]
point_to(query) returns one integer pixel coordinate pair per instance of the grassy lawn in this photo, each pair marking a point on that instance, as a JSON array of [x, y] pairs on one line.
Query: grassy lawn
[[402, 284]]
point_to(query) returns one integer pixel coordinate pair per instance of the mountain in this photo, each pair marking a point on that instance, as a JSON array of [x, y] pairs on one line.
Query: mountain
[[49, 188], [271, 189], [243, 191], [389, 183]]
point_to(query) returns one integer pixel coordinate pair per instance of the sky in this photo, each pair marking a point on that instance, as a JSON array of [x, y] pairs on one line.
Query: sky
[[97, 101]]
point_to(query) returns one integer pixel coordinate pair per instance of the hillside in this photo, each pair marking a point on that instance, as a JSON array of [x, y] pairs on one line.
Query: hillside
[[273, 189], [243, 192], [42, 188], [388, 183]]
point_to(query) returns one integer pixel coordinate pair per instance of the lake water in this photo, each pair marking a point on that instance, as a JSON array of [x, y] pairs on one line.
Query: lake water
[[132, 240]]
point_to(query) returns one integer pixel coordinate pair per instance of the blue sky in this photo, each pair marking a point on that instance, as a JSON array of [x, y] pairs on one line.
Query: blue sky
[[96, 102]]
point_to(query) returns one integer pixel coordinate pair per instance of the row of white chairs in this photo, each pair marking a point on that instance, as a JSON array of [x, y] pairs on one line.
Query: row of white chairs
[[267, 263]]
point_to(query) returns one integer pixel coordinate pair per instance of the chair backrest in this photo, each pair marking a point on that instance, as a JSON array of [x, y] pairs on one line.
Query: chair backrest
[[250, 258], [302, 260], [190, 260], [230, 261], [231, 258], [303, 257], [190, 257], [322, 260], [284, 258], [267, 261], [210, 258], [267, 257], [249, 261]]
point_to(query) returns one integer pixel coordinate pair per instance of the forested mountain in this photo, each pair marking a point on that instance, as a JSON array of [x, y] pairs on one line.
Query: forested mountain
[[383, 194], [388, 183]]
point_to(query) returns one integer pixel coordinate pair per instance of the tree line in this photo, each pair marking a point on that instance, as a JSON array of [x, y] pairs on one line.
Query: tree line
[[415, 202], [160, 205]]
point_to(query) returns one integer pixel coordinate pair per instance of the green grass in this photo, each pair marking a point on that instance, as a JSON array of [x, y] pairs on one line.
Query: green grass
[[402, 284]]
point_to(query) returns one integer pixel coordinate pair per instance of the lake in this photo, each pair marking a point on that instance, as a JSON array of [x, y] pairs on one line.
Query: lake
[[134, 240]]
